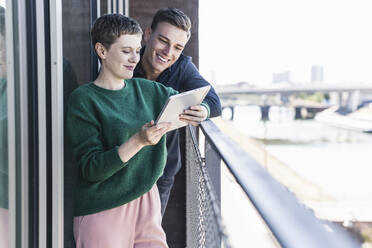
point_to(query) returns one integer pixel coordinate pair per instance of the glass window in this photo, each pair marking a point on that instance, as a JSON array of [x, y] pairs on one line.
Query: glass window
[[76, 21], [4, 212]]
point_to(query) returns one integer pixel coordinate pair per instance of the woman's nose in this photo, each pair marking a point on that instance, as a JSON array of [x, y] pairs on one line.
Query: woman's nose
[[135, 57]]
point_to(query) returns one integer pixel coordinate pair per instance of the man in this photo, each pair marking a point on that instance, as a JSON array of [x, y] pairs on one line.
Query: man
[[162, 61]]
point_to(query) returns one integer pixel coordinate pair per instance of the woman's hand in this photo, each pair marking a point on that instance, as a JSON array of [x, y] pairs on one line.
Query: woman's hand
[[151, 133]]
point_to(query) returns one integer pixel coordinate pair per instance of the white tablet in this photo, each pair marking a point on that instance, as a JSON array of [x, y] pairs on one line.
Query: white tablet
[[176, 104]]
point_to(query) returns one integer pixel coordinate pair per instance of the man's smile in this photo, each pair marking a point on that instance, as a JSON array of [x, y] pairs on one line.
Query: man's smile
[[162, 59]]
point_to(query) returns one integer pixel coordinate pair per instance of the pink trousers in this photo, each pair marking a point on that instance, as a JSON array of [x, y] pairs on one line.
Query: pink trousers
[[4, 227], [136, 224]]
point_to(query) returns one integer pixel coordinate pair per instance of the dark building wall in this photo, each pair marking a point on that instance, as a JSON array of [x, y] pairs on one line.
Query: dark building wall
[[76, 38], [143, 11]]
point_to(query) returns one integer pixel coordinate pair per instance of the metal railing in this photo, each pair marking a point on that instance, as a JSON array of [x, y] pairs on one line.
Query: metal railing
[[203, 218], [291, 223]]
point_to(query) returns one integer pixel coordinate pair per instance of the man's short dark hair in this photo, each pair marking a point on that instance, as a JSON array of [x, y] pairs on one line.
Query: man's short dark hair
[[174, 17], [107, 28]]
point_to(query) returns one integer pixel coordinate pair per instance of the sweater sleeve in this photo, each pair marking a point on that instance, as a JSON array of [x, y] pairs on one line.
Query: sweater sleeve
[[83, 134], [192, 80]]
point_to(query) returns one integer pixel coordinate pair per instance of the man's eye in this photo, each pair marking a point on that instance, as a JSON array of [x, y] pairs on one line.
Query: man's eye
[[124, 51], [163, 41], [178, 49]]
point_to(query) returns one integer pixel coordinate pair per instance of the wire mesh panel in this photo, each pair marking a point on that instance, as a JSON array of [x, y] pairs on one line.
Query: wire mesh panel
[[204, 225]]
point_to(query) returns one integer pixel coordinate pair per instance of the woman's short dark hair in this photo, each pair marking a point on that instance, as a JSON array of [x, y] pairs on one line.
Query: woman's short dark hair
[[174, 17], [107, 28]]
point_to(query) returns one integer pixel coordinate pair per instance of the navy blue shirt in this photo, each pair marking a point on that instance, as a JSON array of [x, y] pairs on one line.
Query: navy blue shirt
[[181, 76]]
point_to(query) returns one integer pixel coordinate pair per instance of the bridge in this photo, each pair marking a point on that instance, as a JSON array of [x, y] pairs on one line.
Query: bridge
[[347, 96], [286, 88]]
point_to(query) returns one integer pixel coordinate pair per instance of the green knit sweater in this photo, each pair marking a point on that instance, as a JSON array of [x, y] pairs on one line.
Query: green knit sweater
[[98, 121]]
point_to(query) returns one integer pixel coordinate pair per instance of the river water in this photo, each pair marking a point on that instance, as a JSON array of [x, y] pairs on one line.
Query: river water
[[337, 160]]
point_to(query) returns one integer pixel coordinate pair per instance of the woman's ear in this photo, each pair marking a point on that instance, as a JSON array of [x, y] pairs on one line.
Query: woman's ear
[[100, 50]]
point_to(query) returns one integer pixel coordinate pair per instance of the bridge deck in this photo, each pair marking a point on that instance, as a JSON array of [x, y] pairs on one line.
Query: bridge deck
[[226, 90]]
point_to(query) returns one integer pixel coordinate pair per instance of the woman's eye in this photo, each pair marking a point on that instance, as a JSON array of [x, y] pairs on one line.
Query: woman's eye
[[125, 51]]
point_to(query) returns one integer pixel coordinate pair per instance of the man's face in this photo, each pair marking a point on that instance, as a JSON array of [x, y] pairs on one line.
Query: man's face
[[164, 46]]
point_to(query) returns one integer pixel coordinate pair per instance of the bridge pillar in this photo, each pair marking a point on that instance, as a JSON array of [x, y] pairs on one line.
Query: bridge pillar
[[353, 100], [232, 112], [340, 99], [265, 112], [298, 113]]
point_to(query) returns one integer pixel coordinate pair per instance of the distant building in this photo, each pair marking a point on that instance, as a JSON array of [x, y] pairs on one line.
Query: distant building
[[317, 73]]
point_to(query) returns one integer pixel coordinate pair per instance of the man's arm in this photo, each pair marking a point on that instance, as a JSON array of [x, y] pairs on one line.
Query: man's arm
[[191, 80]]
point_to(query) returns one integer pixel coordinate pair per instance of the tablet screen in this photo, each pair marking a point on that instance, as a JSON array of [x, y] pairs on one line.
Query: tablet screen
[[176, 104]]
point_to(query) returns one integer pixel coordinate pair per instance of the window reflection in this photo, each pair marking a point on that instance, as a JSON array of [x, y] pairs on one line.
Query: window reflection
[[4, 216], [76, 69]]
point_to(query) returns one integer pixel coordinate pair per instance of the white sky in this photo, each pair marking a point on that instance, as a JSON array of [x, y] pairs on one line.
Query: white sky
[[249, 40]]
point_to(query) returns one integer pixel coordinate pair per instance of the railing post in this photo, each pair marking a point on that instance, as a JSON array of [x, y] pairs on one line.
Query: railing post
[[192, 192], [213, 167]]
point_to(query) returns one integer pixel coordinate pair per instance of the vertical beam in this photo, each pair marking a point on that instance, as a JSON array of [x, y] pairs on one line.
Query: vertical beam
[[109, 6], [10, 58], [94, 10], [57, 121], [32, 125], [41, 124], [126, 7], [114, 6], [120, 6], [22, 175], [98, 8]]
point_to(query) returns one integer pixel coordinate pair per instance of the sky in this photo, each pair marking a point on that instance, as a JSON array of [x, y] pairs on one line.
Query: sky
[[249, 40]]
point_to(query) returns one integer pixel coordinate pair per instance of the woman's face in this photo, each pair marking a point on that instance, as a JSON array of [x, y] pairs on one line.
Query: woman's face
[[123, 55]]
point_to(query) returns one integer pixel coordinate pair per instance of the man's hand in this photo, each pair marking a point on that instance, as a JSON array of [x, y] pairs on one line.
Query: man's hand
[[195, 115], [150, 133]]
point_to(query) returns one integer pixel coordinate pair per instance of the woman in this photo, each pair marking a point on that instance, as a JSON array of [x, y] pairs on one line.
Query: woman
[[120, 151]]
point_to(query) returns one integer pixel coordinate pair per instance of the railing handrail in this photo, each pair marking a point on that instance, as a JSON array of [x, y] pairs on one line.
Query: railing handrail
[[292, 224]]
